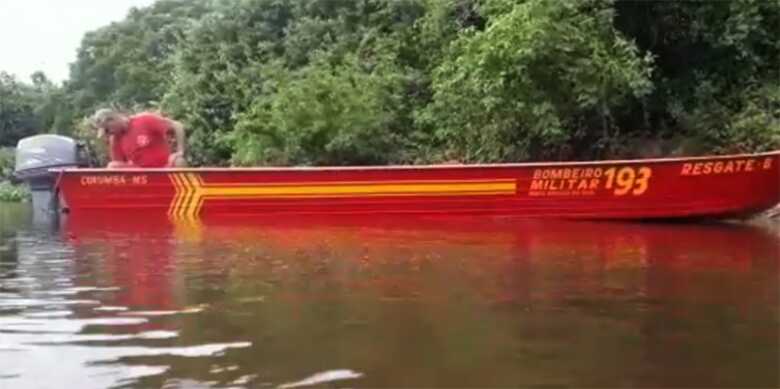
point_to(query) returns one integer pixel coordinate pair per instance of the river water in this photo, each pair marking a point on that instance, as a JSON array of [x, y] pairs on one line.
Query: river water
[[130, 301]]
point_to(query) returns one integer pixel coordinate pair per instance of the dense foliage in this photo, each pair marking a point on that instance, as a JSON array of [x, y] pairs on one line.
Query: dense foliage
[[314, 82], [8, 191], [13, 193]]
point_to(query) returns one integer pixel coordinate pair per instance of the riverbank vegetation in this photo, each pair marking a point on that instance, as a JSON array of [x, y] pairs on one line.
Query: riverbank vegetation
[[338, 82], [8, 191]]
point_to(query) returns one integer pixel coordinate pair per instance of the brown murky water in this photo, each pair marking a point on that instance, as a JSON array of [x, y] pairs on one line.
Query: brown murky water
[[385, 302]]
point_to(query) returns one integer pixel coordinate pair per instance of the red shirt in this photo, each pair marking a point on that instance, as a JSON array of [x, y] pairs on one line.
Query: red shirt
[[144, 143]]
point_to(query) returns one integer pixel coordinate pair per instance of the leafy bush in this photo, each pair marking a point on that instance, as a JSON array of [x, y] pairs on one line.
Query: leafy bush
[[7, 162], [756, 127], [10, 192], [746, 121], [13, 193], [540, 75], [322, 115]]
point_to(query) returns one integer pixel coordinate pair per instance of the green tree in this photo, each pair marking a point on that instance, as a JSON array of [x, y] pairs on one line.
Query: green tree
[[410, 81], [17, 110], [128, 63], [323, 114], [716, 62], [542, 75], [218, 71], [223, 65]]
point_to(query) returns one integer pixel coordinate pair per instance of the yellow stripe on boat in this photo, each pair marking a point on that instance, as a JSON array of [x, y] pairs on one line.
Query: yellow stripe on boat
[[191, 191]]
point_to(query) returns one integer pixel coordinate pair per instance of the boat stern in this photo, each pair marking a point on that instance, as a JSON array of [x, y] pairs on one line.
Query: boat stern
[[37, 162]]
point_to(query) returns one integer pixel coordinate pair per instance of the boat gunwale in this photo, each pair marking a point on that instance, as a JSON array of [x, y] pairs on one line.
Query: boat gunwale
[[515, 165]]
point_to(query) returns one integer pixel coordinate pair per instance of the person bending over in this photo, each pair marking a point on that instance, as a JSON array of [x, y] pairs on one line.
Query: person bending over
[[140, 140]]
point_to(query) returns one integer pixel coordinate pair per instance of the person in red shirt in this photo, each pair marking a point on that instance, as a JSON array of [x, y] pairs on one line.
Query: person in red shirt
[[140, 140]]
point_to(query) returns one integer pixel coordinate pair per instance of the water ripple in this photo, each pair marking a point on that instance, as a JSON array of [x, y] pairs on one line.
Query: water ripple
[[326, 376], [163, 313], [48, 314], [109, 308], [53, 339], [29, 303], [21, 325]]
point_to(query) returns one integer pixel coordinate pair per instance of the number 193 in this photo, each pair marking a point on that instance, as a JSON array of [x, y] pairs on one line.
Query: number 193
[[628, 180]]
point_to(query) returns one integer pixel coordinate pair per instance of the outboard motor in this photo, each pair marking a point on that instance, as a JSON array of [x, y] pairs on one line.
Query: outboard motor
[[37, 154]]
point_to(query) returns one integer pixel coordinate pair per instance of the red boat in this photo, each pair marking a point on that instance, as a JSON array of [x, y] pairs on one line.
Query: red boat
[[700, 187]]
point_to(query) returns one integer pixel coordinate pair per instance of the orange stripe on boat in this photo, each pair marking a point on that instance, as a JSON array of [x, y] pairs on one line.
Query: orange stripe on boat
[[191, 191]]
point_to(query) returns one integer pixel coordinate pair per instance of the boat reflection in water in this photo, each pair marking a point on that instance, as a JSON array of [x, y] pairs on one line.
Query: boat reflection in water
[[64, 319], [452, 301]]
